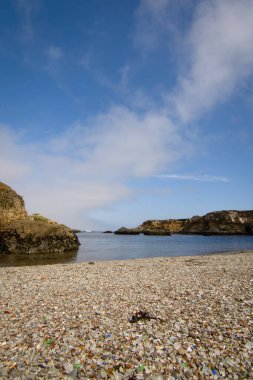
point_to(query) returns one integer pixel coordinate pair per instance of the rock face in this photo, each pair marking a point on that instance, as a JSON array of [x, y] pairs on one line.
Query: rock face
[[221, 223], [214, 223], [12, 206], [155, 227], [26, 237], [23, 234], [167, 225]]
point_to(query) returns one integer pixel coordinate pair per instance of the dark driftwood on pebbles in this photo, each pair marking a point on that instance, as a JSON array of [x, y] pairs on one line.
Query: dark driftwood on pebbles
[[142, 316]]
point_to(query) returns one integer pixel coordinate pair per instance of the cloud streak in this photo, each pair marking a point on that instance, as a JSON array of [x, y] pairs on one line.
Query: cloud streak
[[27, 8], [187, 177]]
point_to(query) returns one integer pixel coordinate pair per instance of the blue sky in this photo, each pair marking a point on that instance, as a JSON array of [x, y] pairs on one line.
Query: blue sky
[[113, 112]]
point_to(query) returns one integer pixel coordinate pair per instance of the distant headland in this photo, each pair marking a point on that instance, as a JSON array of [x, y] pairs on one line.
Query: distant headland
[[226, 222]]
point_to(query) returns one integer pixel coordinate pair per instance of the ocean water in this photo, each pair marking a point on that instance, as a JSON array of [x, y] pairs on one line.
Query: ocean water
[[99, 246]]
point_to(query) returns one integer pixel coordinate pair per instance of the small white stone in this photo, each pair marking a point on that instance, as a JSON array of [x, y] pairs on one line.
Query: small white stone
[[249, 345], [177, 346], [68, 367]]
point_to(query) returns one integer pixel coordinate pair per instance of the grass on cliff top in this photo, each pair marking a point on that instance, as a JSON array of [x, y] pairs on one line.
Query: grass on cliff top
[[39, 218]]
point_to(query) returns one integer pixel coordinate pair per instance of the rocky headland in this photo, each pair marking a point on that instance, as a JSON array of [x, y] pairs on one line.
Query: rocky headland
[[24, 234], [229, 222]]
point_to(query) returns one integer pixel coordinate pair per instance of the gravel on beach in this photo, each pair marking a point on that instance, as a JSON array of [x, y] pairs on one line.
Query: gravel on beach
[[191, 318]]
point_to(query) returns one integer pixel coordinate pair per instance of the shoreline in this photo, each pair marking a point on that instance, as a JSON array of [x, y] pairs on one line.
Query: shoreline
[[72, 321], [66, 254]]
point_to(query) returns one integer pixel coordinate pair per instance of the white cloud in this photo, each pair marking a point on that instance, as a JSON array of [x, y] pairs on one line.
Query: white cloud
[[220, 48], [13, 164], [71, 201], [187, 177], [124, 144], [89, 166]]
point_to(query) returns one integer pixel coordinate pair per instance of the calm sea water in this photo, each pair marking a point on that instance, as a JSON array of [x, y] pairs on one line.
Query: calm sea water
[[99, 246]]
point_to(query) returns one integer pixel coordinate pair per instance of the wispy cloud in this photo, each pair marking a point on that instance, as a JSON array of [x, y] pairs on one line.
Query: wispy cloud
[[27, 8], [54, 53], [219, 49], [187, 177], [157, 20], [151, 20], [124, 75]]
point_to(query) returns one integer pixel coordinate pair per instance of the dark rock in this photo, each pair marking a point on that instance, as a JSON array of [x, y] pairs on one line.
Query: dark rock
[[127, 231], [107, 232], [249, 228], [28, 237]]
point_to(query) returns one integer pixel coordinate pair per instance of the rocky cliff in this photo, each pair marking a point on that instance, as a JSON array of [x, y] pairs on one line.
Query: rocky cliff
[[12, 206], [155, 227], [23, 234], [171, 225], [26, 237], [230, 222]]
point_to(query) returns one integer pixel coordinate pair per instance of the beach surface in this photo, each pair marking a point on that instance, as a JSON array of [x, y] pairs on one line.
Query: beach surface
[[83, 320]]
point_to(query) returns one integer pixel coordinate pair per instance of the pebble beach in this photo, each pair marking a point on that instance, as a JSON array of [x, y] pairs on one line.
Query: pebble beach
[[161, 318]]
